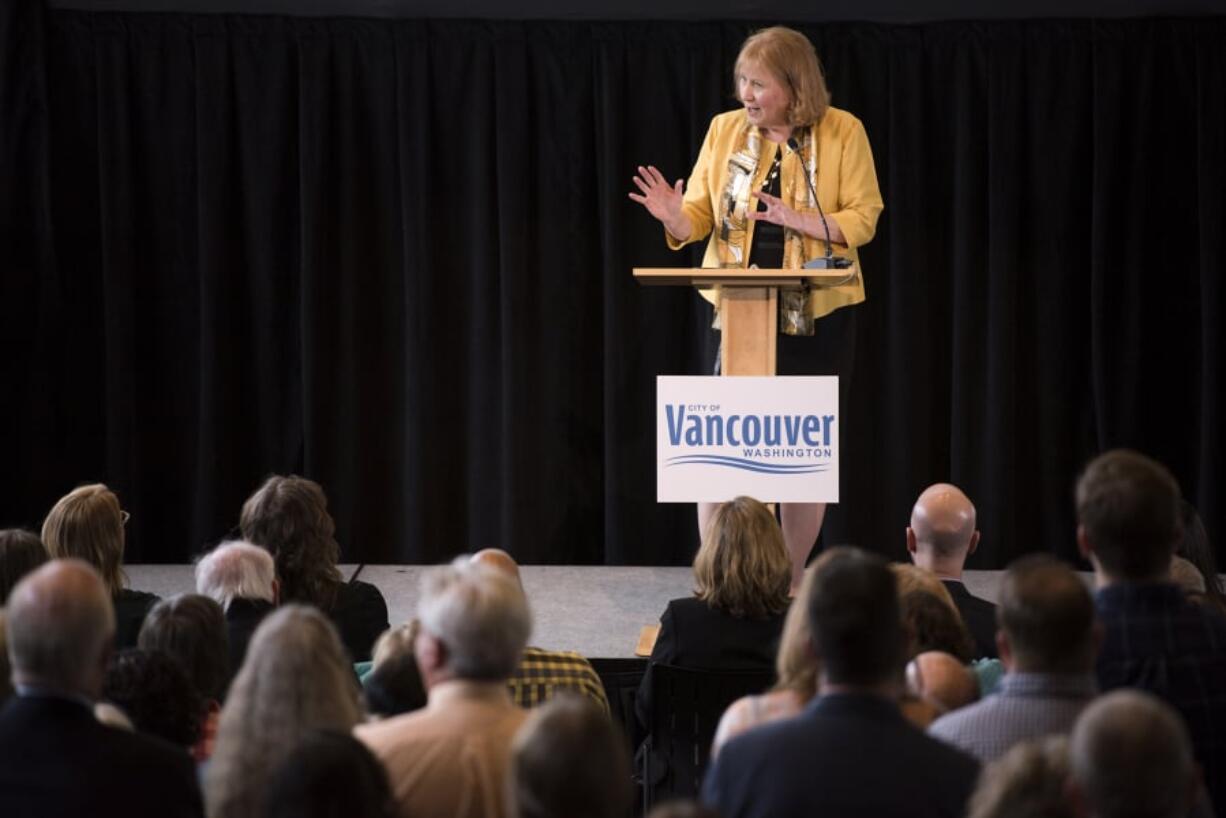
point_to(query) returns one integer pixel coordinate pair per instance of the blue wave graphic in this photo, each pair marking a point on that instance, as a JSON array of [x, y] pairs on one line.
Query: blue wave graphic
[[744, 464]]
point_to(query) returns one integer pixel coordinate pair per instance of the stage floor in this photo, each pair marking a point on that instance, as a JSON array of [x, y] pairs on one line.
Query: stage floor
[[596, 610]]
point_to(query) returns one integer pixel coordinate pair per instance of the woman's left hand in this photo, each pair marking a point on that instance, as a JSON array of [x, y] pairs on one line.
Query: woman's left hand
[[776, 212]]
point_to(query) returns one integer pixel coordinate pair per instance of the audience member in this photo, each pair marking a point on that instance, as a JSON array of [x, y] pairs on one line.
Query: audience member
[[330, 775], [569, 760], [289, 516], [394, 685], [1047, 641], [452, 757], [88, 524], [1194, 546], [191, 629], [297, 678], [934, 626], [154, 692], [1155, 638], [1028, 781], [795, 667], [850, 752], [542, 673], [21, 552], [55, 757], [937, 683], [1130, 757], [742, 574], [241, 578], [941, 536]]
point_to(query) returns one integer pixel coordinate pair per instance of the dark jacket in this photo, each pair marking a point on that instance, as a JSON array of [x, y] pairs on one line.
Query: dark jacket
[[57, 760], [979, 616]]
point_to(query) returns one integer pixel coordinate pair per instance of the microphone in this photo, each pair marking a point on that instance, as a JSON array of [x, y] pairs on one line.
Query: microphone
[[830, 261]]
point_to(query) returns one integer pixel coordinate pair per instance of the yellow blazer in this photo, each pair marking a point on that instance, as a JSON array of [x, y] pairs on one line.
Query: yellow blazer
[[846, 187]]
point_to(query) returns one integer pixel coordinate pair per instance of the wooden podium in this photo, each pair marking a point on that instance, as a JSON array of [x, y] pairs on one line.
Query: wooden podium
[[749, 307]]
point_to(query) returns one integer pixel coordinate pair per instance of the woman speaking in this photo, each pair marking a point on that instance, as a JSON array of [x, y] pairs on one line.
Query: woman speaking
[[751, 192]]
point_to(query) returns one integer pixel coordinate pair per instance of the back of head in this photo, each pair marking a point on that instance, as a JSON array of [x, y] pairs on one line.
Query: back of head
[[394, 686], [943, 680], [154, 692], [60, 623], [569, 760], [289, 516], [479, 614], [934, 626], [1128, 509], [329, 774], [21, 552], [191, 629], [394, 642], [854, 618], [742, 566], [87, 524], [1131, 758], [236, 570], [943, 520], [1028, 781], [296, 677], [1047, 615]]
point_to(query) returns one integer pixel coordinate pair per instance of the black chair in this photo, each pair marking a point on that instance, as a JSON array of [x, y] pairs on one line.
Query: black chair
[[686, 706]]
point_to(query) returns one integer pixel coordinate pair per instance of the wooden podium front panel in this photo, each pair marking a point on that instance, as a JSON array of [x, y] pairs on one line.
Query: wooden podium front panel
[[749, 319]]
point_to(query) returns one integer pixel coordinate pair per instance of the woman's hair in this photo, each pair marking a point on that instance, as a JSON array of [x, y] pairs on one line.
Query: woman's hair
[[87, 523], [329, 774], [568, 760], [796, 662], [21, 552], [790, 57], [933, 626], [155, 693], [289, 516], [742, 566], [394, 642], [296, 678], [192, 629]]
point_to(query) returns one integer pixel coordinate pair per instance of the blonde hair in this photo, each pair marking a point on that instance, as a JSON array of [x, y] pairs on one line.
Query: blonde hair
[[742, 566], [87, 523], [394, 642], [796, 664], [296, 679], [790, 57]]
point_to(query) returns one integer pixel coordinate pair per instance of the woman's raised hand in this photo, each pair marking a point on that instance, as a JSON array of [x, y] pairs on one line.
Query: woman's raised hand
[[662, 200], [776, 212]]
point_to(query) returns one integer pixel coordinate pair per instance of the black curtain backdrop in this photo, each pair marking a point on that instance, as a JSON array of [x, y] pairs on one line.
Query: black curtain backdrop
[[395, 255]]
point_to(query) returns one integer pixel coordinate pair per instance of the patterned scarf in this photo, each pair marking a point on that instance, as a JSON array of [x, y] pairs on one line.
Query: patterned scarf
[[731, 232]]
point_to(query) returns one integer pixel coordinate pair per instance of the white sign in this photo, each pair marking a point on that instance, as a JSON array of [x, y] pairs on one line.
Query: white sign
[[774, 439]]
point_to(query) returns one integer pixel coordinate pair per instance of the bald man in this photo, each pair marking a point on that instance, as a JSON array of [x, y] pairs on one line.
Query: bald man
[[942, 683], [941, 536], [55, 757], [542, 673]]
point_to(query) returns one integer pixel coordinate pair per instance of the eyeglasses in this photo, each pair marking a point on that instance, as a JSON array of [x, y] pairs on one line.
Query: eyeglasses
[[124, 517]]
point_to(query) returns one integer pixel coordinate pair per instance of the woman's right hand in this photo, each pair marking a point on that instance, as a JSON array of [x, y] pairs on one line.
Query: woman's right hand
[[662, 200]]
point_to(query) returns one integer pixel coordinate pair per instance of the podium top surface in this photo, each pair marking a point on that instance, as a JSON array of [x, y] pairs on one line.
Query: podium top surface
[[740, 276]]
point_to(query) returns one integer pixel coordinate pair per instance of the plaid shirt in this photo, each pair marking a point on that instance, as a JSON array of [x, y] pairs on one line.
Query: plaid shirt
[[1026, 706], [543, 673], [1160, 642]]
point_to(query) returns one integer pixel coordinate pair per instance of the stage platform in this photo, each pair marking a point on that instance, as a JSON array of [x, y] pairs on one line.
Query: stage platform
[[596, 610]]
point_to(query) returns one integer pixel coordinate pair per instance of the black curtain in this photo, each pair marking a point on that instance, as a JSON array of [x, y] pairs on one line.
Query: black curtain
[[394, 256]]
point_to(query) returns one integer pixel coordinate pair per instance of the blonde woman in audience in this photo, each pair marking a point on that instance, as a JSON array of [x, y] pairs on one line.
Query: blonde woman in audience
[[296, 679], [742, 575], [796, 665], [88, 523]]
